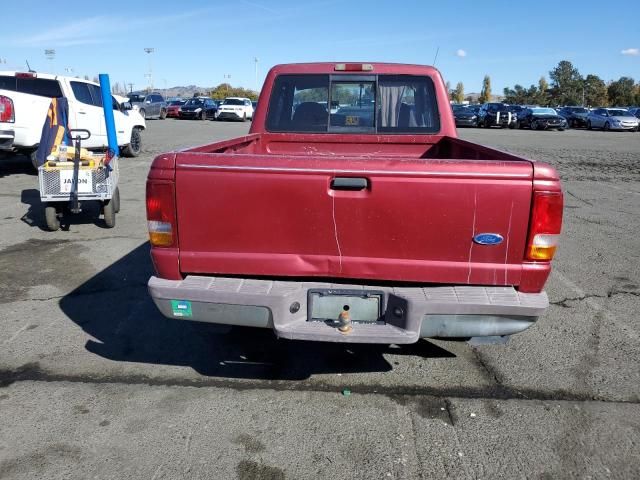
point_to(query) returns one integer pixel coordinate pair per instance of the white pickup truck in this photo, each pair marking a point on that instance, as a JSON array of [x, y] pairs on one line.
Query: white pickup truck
[[25, 99]]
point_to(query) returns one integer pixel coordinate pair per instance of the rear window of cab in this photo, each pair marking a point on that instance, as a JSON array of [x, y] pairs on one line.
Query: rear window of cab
[[353, 104], [43, 87]]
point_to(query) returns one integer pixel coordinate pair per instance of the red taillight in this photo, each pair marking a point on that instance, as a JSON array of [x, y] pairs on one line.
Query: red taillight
[[6, 110], [544, 226], [26, 75], [161, 214]]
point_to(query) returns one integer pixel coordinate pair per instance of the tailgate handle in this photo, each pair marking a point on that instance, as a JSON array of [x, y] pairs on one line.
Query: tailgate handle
[[349, 183]]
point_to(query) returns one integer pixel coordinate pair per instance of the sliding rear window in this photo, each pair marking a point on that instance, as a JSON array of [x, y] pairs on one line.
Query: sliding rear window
[[353, 104]]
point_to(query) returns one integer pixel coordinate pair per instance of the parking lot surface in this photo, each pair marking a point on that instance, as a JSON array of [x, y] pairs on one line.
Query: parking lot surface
[[94, 383]]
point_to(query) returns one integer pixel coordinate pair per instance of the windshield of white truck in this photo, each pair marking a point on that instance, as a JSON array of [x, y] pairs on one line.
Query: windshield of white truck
[[358, 104]]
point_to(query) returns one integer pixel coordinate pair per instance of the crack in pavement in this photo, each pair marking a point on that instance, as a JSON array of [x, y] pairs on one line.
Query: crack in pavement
[[580, 199], [33, 373], [564, 302], [85, 293]]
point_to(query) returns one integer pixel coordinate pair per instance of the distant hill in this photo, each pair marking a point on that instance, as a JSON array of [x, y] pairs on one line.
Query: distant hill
[[182, 92]]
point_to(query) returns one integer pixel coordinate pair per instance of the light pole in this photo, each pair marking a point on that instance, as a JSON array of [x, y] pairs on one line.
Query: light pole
[[226, 76], [50, 53], [149, 51]]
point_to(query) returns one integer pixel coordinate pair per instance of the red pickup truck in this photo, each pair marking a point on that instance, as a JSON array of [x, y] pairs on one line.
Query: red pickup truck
[[351, 212]]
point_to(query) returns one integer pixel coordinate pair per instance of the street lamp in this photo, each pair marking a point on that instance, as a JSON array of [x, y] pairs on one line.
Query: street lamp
[[149, 51], [50, 53], [255, 59], [226, 76]]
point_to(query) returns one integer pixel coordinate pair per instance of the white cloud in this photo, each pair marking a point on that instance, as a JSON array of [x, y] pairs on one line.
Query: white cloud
[[93, 30], [631, 51], [461, 53]]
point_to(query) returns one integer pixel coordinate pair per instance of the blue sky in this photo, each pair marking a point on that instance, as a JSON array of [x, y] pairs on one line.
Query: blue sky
[[199, 42]]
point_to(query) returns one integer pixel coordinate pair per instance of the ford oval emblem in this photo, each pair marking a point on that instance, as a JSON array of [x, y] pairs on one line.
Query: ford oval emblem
[[488, 238]]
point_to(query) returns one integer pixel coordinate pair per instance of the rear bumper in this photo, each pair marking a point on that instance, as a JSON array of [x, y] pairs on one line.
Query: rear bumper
[[452, 311], [466, 122], [6, 139], [229, 116]]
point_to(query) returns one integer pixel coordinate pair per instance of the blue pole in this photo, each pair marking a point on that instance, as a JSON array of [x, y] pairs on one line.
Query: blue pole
[[107, 106]]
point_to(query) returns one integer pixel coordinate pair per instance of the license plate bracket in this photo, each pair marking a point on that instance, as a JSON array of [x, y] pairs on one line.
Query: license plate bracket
[[365, 306]]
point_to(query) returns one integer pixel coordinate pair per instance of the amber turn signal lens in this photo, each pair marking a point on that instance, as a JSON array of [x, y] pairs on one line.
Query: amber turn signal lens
[[160, 233]]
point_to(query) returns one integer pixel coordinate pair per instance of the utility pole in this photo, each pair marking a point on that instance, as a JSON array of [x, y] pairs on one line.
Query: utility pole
[[255, 59], [149, 51], [130, 87]]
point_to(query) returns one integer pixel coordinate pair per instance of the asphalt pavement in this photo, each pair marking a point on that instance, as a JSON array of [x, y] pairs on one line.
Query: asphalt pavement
[[94, 383]]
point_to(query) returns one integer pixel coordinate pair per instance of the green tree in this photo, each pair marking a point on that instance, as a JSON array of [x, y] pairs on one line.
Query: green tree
[[542, 96], [485, 93], [225, 90], [522, 96], [595, 92], [622, 92], [566, 84], [458, 93]]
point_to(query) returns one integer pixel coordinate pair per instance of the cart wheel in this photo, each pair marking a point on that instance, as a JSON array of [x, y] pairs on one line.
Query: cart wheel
[[34, 160], [51, 216], [109, 213], [116, 200]]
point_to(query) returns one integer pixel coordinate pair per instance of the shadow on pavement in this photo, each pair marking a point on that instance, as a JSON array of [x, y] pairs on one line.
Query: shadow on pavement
[[116, 310], [15, 164]]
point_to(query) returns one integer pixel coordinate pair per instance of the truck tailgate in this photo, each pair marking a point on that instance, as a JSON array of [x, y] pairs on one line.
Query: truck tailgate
[[355, 218]]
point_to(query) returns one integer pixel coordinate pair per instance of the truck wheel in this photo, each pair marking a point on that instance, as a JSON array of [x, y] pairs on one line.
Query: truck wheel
[[116, 200], [163, 114], [109, 212], [51, 217], [135, 145]]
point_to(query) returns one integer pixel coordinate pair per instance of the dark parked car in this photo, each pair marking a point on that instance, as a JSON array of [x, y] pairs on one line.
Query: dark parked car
[[635, 112], [540, 118], [496, 115], [201, 108], [465, 116], [575, 116]]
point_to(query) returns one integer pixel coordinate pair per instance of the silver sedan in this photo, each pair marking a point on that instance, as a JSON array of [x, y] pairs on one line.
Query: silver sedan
[[612, 119]]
